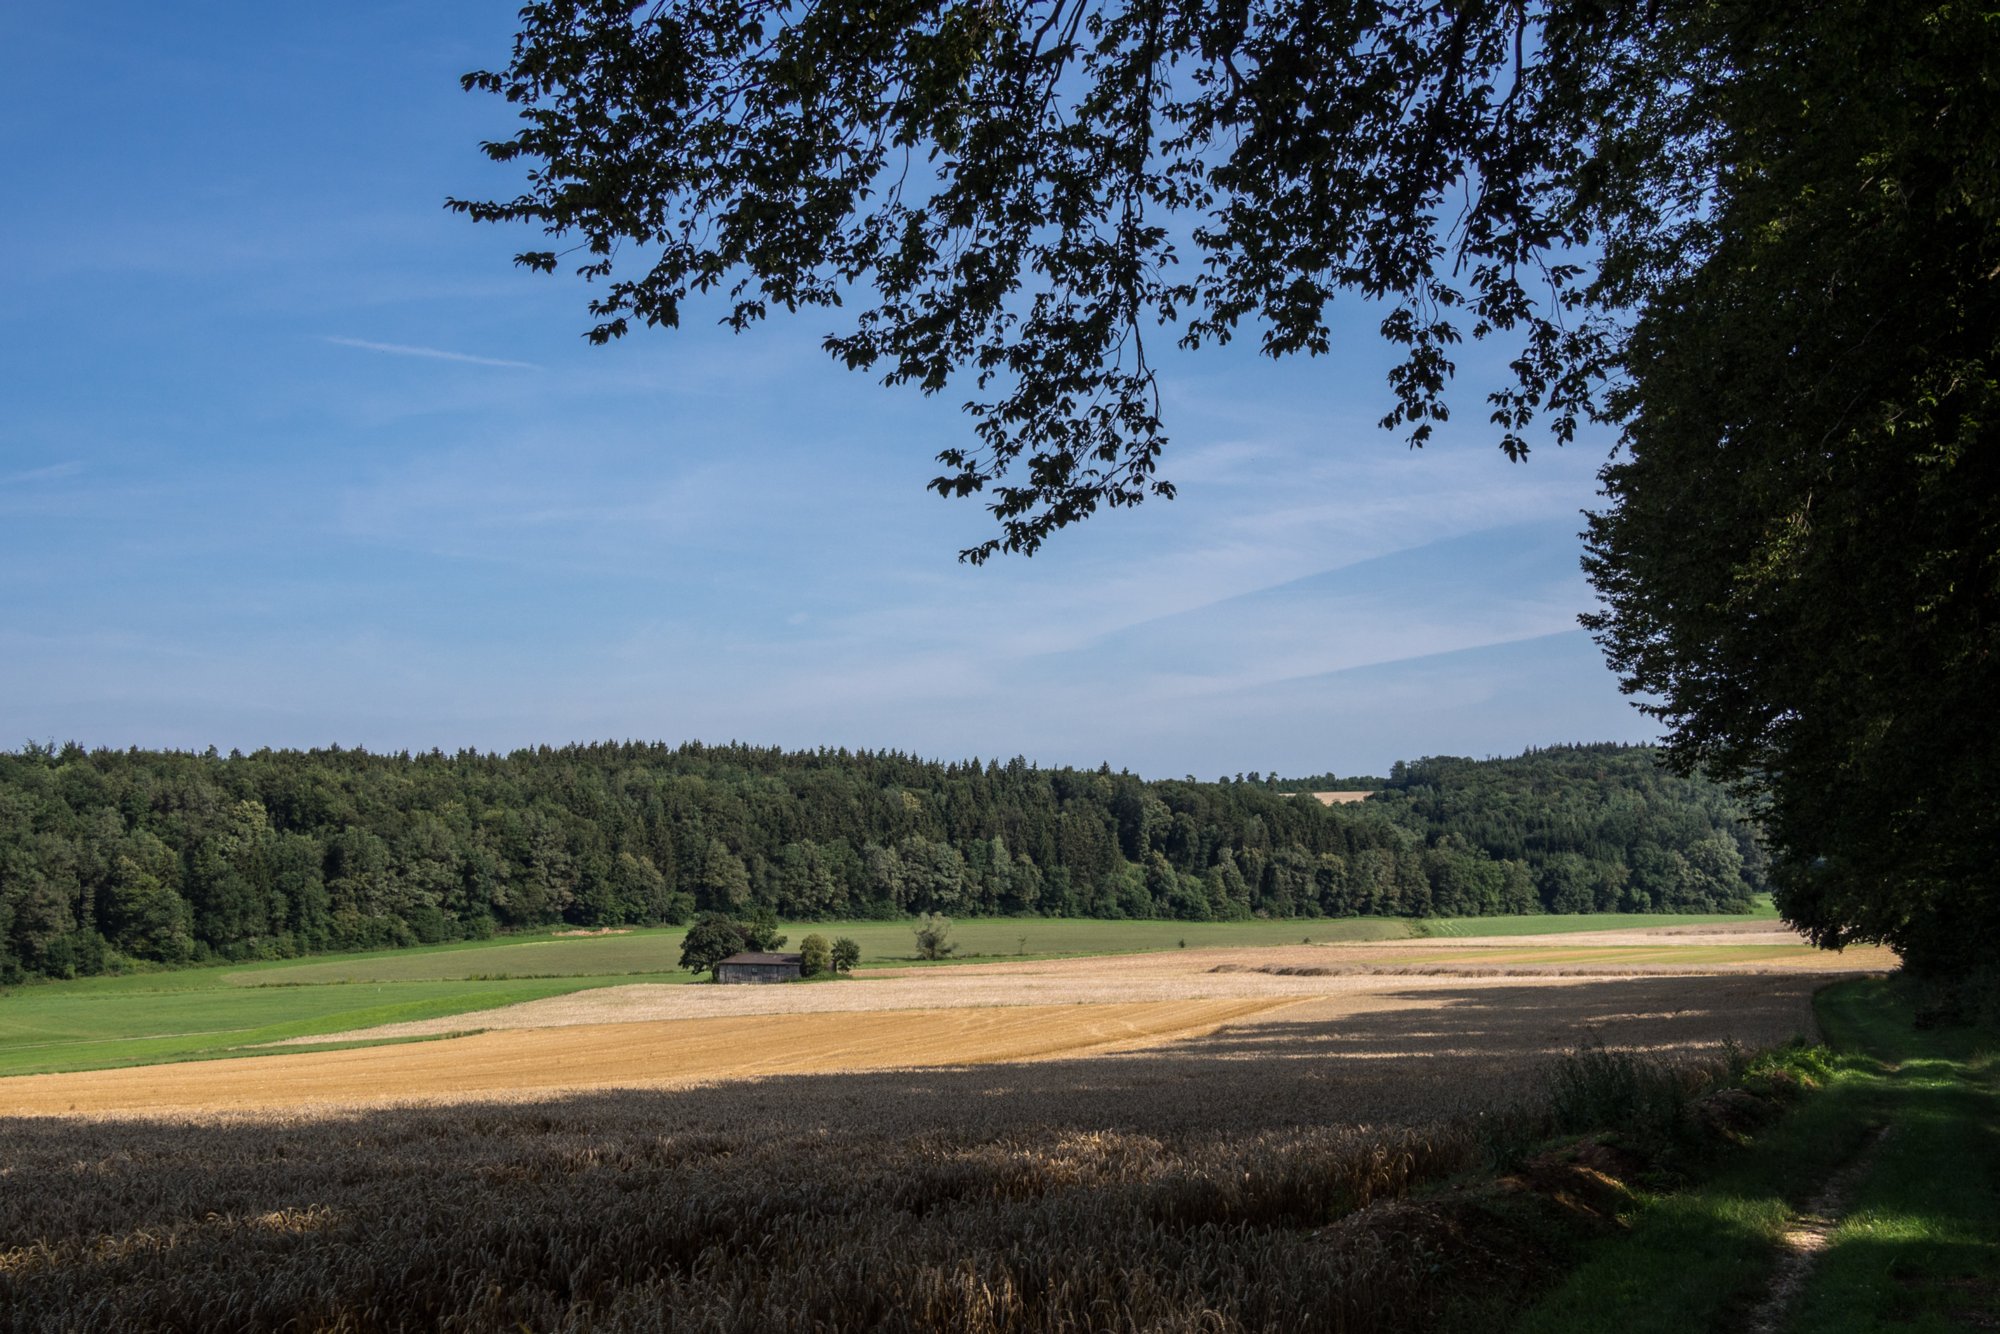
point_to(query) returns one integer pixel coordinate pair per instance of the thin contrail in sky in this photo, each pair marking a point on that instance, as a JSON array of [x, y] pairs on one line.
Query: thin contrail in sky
[[49, 473], [432, 354]]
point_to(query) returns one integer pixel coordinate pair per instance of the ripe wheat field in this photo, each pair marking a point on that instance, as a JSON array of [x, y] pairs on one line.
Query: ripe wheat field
[[1212, 1162]]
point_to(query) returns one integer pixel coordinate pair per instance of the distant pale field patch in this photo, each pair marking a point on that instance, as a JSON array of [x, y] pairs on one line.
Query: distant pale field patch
[[1295, 972], [1731, 957]]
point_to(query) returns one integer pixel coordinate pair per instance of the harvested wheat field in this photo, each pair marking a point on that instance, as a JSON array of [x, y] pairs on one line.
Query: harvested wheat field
[[626, 1037], [1357, 976], [651, 1036], [581, 1056], [1218, 1181]]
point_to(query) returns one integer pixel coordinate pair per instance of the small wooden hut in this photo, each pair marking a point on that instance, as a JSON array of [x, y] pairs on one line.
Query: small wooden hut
[[754, 967]]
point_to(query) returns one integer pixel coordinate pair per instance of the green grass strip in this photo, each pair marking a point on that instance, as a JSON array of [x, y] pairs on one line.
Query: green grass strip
[[1919, 1244]]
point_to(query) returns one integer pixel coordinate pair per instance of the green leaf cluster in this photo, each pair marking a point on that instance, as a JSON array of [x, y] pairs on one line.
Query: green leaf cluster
[[1014, 196]]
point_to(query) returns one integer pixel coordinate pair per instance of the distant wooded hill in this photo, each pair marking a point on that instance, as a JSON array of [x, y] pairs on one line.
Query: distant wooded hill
[[176, 857]]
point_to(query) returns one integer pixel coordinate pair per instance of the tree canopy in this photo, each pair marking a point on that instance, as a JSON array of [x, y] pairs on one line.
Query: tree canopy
[[1801, 557], [1759, 239], [1017, 195], [711, 939]]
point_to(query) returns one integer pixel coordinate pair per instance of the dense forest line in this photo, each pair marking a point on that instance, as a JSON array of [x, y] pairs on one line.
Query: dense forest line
[[108, 856], [1321, 782]]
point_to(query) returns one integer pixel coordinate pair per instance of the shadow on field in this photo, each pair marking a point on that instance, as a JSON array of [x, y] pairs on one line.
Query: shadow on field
[[1527, 1022], [1141, 1189]]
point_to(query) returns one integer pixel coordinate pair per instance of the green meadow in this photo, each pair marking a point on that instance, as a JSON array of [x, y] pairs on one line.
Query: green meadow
[[1538, 924]]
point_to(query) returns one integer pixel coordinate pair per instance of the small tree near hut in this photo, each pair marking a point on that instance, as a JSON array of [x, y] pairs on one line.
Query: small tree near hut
[[932, 930], [815, 956], [710, 940], [760, 931], [846, 953]]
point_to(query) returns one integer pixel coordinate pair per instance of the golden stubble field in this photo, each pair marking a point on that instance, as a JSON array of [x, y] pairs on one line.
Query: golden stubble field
[[1148, 1155], [1293, 972], [545, 1059]]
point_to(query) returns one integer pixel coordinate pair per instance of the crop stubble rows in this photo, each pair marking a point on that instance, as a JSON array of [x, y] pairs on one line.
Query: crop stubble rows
[[583, 1056], [655, 1036]]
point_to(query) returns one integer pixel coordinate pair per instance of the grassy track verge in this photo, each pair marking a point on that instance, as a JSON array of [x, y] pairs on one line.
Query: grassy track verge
[[1917, 1245]]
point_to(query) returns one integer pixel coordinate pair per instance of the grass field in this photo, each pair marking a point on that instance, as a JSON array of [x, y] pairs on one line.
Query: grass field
[[100, 1023], [143, 1018], [1540, 924], [655, 952]]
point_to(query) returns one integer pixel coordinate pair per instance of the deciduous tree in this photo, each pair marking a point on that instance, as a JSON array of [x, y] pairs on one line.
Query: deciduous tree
[[1769, 229], [711, 939], [1801, 557], [933, 932]]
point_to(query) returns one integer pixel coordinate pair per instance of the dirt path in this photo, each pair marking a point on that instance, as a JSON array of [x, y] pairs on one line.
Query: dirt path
[[1806, 1237]]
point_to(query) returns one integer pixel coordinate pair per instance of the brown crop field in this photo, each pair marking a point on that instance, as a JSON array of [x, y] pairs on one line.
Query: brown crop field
[[1209, 1182]]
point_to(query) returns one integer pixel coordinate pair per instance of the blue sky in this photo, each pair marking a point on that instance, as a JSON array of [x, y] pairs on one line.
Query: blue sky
[[289, 456]]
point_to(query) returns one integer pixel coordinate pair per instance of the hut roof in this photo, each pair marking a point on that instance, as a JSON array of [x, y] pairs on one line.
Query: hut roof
[[754, 957]]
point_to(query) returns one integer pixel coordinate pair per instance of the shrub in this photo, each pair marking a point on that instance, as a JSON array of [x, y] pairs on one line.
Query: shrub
[[932, 930], [815, 956], [846, 953], [1785, 1071]]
